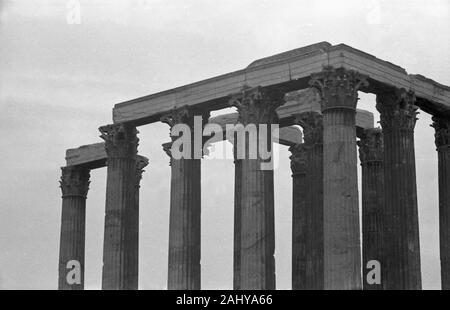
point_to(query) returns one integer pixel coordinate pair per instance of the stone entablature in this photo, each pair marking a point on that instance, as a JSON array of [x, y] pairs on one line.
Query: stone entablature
[[291, 70]]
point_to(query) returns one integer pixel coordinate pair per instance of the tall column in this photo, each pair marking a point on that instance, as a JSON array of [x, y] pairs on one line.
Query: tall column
[[401, 264], [120, 221], [74, 186], [299, 221], [312, 124], [132, 241], [237, 219], [371, 157], [256, 106], [442, 139], [185, 205], [339, 96]]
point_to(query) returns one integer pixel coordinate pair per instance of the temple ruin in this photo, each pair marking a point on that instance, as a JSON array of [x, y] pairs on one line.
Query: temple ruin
[[315, 88]]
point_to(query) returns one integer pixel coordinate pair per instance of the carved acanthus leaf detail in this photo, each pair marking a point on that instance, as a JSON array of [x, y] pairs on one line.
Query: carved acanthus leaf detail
[[167, 148], [257, 105], [397, 110], [371, 146], [298, 158], [121, 140], [338, 88], [184, 115], [312, 124], [181, 115], [141, 163], [441, 126], [74, 181]]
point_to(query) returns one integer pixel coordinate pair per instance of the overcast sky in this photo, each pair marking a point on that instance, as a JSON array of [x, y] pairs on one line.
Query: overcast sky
[[59, 82]]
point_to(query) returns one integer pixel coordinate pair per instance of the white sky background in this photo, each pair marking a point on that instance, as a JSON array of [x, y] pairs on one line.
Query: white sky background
[[59, 82]]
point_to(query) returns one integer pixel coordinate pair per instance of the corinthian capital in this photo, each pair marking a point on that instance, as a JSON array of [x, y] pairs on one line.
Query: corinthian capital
[[179, 116], [167, 148], [74, 181], [312, 124], [338, 88], [397, 110], [441, 126], [141, 163], [257, 105], [184, 115], [120, 140], [194, 119], [371, 146], [298, 159]]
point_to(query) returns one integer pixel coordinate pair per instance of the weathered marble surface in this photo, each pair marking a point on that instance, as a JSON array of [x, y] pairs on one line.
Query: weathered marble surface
[[291, 70]]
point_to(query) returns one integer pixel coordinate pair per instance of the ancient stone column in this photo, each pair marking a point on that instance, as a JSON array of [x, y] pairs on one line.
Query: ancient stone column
[[185, 202], [442, 139], [312, 124], [74, 186], [119, 270], [299, 220], [256, 106], [371, 157], [237, 220], [132, 241], [401, 262], [342, 257]]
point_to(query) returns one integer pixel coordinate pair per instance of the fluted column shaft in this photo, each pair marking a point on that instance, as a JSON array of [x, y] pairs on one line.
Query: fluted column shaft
[[299, 218], [237, 221], [184, 270], [257, 227], [119, 269], [132, 256], [256, 106], [342, 257], [74, 185], [312, 216], [401, 262], [315, 245], [185, 225], [442, 139], [444, 216], [371, 157]]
